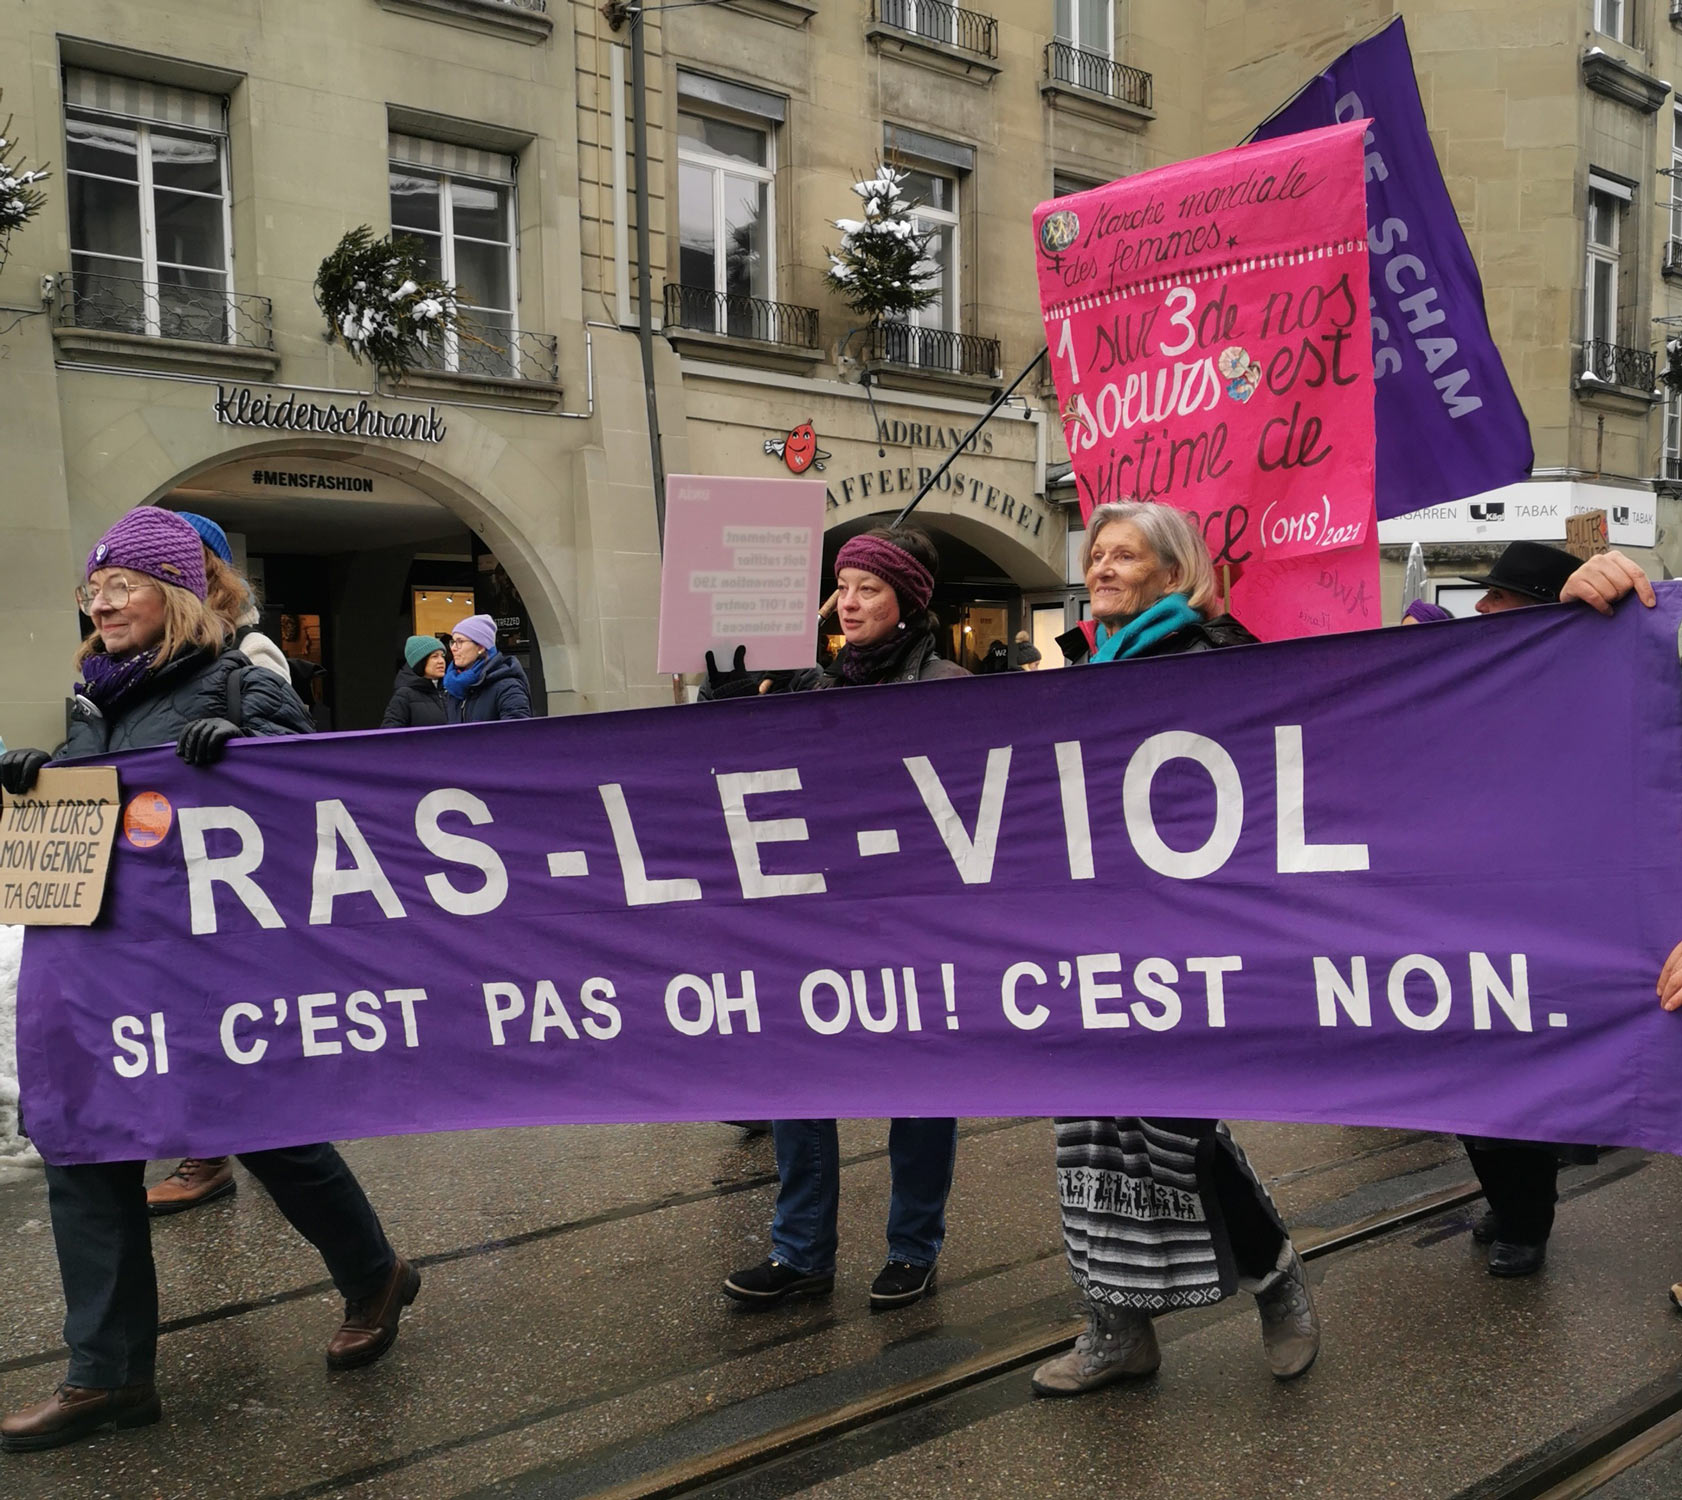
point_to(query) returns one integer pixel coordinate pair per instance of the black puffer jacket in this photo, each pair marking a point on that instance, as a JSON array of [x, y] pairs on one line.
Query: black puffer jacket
[[502, 693], [192, 686], [415, 700]]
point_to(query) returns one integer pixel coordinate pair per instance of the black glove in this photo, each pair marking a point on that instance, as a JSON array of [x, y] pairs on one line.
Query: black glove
[[738, 671], [19, 768], [203, 740]]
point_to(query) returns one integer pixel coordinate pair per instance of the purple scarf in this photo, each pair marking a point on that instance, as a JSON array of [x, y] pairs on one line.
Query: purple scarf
[[107, 680], [879, 663]]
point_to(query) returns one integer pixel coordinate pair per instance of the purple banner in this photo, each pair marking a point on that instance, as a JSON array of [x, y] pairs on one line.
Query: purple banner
[[1420, 878], [1449, 423]]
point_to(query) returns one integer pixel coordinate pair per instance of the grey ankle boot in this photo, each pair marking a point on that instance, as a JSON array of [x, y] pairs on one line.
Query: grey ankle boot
[[1119, 1343], [1290, 1326]]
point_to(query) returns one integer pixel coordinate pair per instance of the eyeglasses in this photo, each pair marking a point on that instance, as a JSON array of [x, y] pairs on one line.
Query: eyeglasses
[[114, 591]]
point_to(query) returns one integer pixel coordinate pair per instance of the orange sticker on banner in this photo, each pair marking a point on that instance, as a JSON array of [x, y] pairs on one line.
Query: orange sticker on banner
[[146, 820]]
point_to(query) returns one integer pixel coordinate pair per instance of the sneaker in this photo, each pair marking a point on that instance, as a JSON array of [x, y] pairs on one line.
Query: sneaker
[[1290, 1326], [1487, 1229], [899, 1283], [770, 1281], [196, 1181], [1507, 1259], [1119, 1344]]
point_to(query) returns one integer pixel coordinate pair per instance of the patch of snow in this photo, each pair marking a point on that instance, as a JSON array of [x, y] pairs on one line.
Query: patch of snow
[[14, 1150]]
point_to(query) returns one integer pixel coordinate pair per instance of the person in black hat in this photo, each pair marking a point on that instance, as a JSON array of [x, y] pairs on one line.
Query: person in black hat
[[1525, 573], [1519, 1178]]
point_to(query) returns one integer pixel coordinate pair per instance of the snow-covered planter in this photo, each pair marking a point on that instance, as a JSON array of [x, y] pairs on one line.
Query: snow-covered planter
[[14, 1150], [20, 198], [380, 304], [881, 269], [1670, 377]]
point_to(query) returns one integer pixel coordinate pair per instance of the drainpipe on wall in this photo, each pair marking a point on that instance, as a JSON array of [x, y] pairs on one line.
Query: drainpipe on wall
[[645, 304]]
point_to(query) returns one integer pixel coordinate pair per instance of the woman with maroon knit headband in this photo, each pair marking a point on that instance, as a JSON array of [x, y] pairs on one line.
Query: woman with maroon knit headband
[[886, 580]]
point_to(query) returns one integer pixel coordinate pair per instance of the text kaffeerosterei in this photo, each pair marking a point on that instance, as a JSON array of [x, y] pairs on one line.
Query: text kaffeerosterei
[[1104, 991]]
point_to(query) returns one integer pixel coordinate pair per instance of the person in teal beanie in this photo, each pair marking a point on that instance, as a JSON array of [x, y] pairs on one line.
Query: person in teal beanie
[[417, 698]]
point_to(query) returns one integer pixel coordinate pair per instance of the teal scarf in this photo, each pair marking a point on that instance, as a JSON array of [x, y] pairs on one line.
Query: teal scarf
[[1161, 620]]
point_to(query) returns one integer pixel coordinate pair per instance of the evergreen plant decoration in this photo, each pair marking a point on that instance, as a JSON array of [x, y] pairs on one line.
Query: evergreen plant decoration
[[882, 270], [20, 199], [1671, 375], [380, 304]]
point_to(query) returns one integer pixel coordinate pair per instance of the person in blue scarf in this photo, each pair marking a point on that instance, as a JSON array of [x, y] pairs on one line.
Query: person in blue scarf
[[481, 684], [1161, 1214]]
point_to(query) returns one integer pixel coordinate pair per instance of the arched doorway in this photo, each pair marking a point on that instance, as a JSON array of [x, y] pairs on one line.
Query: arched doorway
[[349, 559]]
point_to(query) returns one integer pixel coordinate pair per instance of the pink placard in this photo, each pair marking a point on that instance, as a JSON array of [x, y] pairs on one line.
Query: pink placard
[[1211, 340], [740, 568]]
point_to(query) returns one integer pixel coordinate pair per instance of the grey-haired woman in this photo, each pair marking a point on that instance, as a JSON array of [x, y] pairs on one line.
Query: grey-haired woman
[[1160, 1214]]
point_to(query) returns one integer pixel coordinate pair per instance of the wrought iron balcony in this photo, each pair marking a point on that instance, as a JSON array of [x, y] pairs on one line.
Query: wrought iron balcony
[[1673, 248], [163, 310], [497, 353], [1098, 74], [1613, 364], [702, 310], [966, 29], [935, 349]]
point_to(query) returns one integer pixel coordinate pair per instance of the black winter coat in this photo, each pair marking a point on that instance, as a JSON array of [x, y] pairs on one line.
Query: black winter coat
[[1205, 635], [192, 686], [502, 693], [415, 700]]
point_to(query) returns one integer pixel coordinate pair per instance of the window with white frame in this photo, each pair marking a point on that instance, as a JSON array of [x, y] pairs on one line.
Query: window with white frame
[[930, 18], [1673, 251], [1600, 313], [726, 220], [1671, 459], [936, 215], [458, 202], [1087, 24], [146, 185], [1611, 17]]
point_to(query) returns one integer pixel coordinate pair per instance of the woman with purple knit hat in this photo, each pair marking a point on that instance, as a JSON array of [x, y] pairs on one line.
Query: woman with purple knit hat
[[159, 669], [481, 684], [886, 579]]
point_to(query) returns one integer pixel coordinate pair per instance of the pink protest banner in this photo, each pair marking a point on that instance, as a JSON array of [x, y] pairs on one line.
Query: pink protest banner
[[740, 568], [1211, 341]]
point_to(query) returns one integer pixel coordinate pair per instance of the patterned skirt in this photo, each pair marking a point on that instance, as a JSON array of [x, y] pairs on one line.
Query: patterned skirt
[[1143, 1219]]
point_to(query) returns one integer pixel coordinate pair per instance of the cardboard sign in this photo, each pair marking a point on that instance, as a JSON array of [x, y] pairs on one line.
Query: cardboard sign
[[1211, 340], [55, 847], [1585, 534], [740, 569]]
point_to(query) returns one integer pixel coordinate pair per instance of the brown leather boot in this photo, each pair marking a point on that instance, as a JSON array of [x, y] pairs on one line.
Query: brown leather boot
[[197, 1180], [370, 1325], [72, 1412]]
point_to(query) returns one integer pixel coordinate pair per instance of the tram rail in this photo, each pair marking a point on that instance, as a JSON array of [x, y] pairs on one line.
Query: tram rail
[[741, 1460]]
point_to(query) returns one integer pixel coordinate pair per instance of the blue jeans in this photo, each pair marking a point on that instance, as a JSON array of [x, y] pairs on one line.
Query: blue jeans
[[104, 1240], [921, 1153]]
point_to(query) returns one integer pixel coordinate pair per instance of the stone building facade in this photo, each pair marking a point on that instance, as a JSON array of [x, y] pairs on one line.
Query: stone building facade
[[159, 341]]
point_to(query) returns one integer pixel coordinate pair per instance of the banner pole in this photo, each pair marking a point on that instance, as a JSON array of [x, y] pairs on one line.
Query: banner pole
[[986, 417]]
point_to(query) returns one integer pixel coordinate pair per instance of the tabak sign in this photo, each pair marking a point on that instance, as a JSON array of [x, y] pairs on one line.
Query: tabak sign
[[1211, 340]]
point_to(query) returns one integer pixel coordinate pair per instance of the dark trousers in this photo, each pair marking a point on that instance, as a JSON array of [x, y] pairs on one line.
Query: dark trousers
[[1520, 1182], [104, 1240], [1253, 1226]]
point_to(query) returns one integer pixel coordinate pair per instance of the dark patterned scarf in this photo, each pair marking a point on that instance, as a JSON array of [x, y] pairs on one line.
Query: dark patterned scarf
[[107, 680]]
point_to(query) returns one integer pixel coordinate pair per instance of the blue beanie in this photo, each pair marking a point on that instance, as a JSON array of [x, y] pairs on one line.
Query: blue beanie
[[212, 535]]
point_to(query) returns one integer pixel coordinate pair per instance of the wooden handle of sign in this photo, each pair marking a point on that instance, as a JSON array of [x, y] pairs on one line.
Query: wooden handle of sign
[[827, 608], [1226, 588]]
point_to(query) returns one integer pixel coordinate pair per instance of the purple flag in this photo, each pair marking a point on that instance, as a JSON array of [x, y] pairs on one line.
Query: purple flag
[[1218, 884], [1449, 423]]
